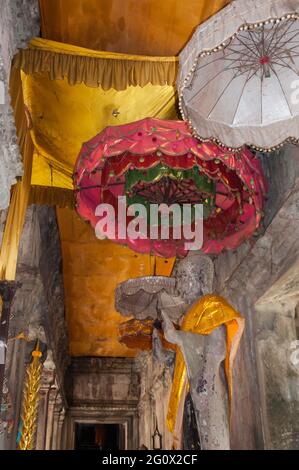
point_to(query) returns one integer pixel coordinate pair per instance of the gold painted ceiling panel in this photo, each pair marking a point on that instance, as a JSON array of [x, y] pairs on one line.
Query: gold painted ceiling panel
[[146, 27], [92, 269]]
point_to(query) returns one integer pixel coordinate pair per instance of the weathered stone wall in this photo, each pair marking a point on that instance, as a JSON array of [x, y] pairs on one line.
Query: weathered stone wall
[[37, 312], [100, 381], [120, 389], [265, 409], [103, 391], [50, 269], [278, 374], [19, 22], [155, 387]]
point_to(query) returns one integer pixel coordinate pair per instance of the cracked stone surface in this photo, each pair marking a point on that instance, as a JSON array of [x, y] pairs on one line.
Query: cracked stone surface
[[37, 311], [260, 274], [19, 22], [260, 280]]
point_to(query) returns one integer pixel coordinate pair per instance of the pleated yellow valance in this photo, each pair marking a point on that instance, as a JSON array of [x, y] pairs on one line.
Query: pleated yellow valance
[[93, 68], [47, 195]]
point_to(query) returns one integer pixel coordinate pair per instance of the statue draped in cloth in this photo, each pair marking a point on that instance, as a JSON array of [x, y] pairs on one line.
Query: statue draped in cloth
[[206, 346], [205, 340]]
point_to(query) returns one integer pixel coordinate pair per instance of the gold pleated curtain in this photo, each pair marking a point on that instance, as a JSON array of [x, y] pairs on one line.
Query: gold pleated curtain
[[65, 112], [20, 193]]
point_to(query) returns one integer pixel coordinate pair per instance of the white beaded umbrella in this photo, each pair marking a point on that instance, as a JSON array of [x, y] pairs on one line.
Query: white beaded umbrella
[[239, 75]]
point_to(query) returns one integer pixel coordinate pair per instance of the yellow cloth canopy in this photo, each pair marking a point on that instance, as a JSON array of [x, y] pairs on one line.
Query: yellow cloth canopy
[[58, 118], [63, 116]]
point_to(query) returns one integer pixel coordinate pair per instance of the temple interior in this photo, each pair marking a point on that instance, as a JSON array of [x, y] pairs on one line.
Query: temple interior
[[108, 342]]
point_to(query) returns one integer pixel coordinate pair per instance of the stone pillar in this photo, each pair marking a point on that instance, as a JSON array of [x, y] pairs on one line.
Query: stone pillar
[[65, 431], [153, 404], [50, 417], [56, 416], [144, 409], [59, 443], [50, 408], [41, 423]]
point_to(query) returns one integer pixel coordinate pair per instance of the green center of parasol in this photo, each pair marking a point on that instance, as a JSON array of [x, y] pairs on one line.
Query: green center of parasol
[[162, 184]]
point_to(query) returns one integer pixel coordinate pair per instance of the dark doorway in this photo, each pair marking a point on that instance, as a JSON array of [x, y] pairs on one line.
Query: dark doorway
[[96, 436], [191, 439]]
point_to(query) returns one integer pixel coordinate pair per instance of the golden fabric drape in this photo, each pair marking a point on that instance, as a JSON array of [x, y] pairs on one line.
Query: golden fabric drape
[[146, 27], [205, 315], [20, 192], [47, 195], [62, 117], [108, 70]]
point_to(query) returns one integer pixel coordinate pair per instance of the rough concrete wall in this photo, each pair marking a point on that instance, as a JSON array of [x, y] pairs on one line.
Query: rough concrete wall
[[19, 22], [243, 276]]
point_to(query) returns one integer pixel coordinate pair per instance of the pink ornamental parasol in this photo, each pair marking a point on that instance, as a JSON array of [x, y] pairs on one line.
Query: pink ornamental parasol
[[153, 161]]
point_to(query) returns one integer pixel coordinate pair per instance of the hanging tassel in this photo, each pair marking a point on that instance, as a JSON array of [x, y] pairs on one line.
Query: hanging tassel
[[30, 403]]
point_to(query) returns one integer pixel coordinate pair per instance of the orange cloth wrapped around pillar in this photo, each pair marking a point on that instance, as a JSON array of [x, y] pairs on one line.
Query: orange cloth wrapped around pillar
[[207, 314]]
